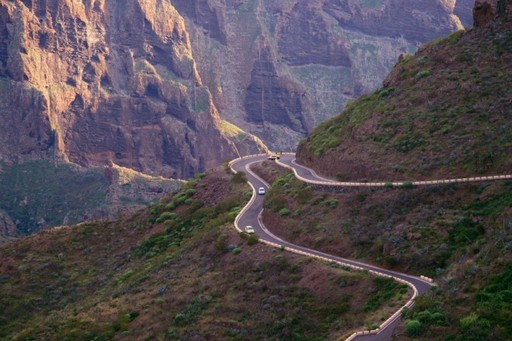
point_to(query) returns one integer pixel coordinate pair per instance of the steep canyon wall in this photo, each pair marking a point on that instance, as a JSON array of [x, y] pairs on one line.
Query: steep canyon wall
[[150, 85], [278, 68], [164, 86], [100, 81]]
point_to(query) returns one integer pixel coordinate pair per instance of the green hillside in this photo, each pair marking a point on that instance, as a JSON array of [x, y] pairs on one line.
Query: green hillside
[[460, 235], [444, 112], [42, 194], [179, 271]]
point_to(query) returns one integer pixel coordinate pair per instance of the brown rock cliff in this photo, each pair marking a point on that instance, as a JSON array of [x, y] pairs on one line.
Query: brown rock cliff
[[141, 83], [104, 81], [310, 56], [487, 10]]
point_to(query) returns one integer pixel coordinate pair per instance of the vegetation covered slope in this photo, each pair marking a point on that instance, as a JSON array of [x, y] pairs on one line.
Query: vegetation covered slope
[[461, 235], [41, 194], [443, 112], [178, 270]]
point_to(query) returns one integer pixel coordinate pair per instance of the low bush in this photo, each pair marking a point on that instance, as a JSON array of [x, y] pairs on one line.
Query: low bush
[[221, 244], [408, 142], [333, 203], [423, 73], [165, 216], [252, 239], [413, 328], [464, 232], [408, 184], [304, 195], [284, 212], [239, 178]]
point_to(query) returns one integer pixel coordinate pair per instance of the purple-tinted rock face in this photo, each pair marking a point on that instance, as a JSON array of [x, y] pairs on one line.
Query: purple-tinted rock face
[[415, 20], [107, 81], [464, 10], [285, 66], [145, 83], [304, 39], [273, 99]]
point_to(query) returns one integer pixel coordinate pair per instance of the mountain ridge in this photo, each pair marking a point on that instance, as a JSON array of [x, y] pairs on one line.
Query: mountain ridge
[[402, 132], [318, 55], [163, 87], [178, 270]]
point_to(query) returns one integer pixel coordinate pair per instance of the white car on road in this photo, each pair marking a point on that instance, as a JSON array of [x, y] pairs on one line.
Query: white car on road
[[249, 229], [261, 190]]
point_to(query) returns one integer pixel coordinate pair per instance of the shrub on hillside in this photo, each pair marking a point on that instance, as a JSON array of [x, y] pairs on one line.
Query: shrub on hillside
[[408, 184], [284, 212], [165, 216], [333, 203], [423, 74], [221, 244], [252, 239], [413, 328], [239, 178]]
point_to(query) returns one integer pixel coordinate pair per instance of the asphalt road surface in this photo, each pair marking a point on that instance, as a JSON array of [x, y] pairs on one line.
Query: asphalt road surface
[[251, 215]]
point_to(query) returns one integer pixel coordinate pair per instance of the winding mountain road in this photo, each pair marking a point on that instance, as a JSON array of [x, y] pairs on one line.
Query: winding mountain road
[[251, 215], [308, 175]]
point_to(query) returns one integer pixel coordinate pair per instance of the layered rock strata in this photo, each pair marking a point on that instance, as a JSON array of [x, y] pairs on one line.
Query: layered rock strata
[[99, 81], [279, 68]]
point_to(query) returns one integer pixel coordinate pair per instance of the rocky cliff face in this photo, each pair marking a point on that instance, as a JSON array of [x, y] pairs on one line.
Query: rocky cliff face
[[464, 11], [487, 10], [162, 86], [141, 83], [99, 81], [278, 68]]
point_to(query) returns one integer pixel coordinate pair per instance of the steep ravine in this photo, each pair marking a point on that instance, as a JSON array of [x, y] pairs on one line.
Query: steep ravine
[[278, 69], [98, 83]]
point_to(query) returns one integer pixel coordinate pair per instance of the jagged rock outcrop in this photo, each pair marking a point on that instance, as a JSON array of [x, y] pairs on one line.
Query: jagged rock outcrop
[[7, 226], [414, 20], [206, 15], [464, 11], [273, 99], [484, 11], [317, 55], [99, 81], [295, 38], [487, 10]]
